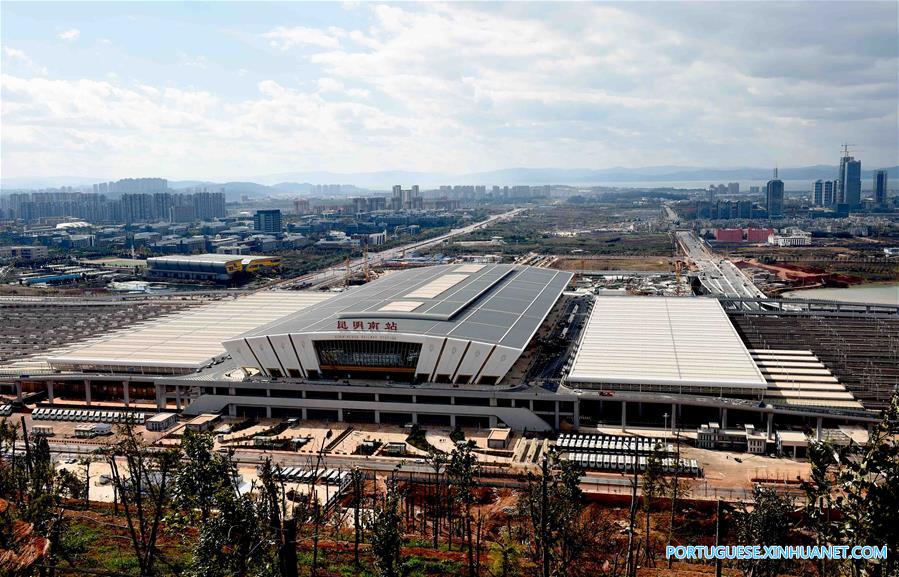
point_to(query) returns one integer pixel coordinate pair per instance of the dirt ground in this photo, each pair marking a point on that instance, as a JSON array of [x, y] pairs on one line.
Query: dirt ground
[[648, 263]]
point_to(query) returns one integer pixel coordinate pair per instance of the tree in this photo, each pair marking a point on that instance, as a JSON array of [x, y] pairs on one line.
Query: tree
[[142, 477], [507, 555], [679, 489], [357, 480], [39, 492], [202, 475], [654, 486], [386, 532], [437, 461], [861, 483], [766, 522], [560, 531], [463, 468]]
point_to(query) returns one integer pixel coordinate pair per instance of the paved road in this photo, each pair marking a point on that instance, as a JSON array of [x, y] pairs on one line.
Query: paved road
[[336, 272], [717, 274]]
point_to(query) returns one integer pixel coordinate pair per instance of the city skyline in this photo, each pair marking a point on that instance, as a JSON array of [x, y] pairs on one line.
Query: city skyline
[[89, 91]]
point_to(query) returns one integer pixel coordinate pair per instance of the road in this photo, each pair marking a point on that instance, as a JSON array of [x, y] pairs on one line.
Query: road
[[329, 275], [718, 275]]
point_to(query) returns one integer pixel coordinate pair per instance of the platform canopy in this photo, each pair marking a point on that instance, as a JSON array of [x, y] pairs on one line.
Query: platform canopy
[[183, 341], [677, 341]]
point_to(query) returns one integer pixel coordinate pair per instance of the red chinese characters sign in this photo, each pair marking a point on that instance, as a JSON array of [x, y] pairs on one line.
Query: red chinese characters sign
[[367, 326]]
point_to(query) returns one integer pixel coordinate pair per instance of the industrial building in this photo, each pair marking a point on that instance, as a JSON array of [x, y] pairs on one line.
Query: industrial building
[[476, 345], [208, 267]]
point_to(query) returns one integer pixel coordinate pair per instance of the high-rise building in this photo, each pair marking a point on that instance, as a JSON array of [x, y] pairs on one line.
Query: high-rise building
[[711, 197], [818, 197], [830, 188], [850, 187], [880, 188], [209, 205], [408, 199], [774, 197], [267, 221], [733, 188]]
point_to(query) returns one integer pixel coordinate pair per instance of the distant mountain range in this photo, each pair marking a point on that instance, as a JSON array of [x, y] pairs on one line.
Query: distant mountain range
[[301, 183]]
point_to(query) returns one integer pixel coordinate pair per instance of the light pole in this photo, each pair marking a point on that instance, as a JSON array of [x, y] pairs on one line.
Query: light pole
[[666, 421]]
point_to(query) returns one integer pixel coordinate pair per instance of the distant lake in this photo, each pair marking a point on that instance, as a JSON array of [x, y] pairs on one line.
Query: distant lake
[[882, 294]]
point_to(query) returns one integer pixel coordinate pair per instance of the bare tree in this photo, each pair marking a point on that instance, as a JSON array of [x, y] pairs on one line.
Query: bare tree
[[357, 479], [437, 461], [143, 478]]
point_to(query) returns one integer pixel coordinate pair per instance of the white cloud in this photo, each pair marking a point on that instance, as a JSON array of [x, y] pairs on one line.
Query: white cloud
[[70, 35], [11, 54], [193, 61], [15, 54], [466, 87], [286, 38]]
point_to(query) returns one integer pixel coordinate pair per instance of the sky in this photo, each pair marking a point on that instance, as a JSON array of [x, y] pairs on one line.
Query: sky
[[231, 90]]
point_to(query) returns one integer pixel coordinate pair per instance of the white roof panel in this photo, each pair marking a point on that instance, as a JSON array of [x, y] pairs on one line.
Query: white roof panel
[[662, 340], [187, 339]]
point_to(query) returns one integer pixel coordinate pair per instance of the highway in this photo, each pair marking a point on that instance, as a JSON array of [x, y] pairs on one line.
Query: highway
[[336, 272], [720, 276]]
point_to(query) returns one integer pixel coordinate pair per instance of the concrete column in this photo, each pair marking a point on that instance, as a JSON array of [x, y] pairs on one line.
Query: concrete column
[[127, 390], [819, 429], [556, 416], [18, 391], [770, 425], [723, 418], [414, 418], [673, 417], [576, 417], [378, 417], [493, 421], [232, 410], [87, 392], [340, 415], [50, 391], [303, 412], [623, 415], [230, 391], [178, 397], [452, 421], [268, 412], [160, 397]]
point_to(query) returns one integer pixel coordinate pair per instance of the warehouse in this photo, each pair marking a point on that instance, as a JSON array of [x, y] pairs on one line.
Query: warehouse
[[208, 267]]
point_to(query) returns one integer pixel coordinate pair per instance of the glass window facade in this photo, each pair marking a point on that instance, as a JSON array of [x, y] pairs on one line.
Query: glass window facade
[[378, 356]]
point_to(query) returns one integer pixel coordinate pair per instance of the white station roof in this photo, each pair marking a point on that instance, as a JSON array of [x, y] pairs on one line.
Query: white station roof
[[674, 341], [185, 340]]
